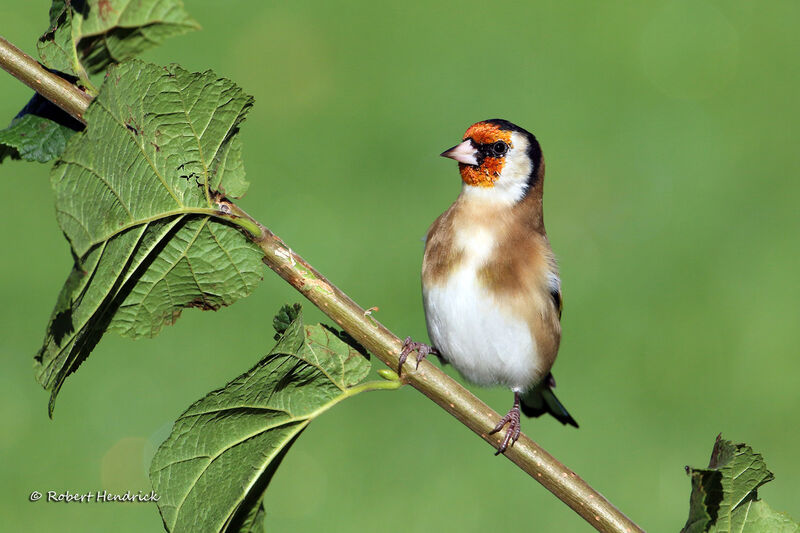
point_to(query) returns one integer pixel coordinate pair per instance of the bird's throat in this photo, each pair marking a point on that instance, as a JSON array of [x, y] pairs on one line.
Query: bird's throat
[[482, 176]]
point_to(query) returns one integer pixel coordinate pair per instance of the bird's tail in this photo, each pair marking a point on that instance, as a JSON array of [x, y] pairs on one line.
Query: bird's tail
[[541, 399]]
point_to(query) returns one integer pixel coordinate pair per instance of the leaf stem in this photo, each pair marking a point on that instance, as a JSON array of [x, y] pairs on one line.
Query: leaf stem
[[428, 379], [374, 385], [246, 224], [222, 213], [55, 88]]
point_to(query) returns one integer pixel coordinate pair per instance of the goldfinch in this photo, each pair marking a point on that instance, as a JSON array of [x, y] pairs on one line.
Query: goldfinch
[[490, 283]]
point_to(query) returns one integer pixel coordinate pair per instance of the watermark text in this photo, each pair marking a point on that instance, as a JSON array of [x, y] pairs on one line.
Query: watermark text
[[97, 496]]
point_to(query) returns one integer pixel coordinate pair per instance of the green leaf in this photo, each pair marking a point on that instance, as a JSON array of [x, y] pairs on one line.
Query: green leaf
[[92, 34], [135, 200], [213, 469], [286, 315], [254, 521], [33, 138], [56, 47], [38, 133], [725, 495], [152, 151]]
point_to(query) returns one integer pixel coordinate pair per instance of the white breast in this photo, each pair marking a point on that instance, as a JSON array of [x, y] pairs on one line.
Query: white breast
[[473, 333]]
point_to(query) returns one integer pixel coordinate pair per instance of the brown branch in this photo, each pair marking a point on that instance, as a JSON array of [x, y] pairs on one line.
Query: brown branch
[[56, 89], [429, 380]]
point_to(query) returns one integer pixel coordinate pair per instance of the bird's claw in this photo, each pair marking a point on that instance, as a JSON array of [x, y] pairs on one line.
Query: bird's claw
[[423, 350], [512, 418]]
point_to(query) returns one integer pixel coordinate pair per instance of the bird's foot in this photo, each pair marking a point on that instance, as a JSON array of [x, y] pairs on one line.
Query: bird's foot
[[514, 426], [423, 350]]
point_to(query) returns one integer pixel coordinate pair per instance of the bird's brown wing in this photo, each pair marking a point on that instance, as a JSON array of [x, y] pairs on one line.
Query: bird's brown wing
[[555, 294]]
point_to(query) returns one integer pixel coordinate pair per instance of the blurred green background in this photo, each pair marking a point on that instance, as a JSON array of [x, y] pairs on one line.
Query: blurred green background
[[670, 135]]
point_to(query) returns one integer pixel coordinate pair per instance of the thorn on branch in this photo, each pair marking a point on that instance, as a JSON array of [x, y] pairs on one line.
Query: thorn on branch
[[368, 314]]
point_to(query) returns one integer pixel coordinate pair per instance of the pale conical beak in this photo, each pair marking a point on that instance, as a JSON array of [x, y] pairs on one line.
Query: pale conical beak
[[463, 153]]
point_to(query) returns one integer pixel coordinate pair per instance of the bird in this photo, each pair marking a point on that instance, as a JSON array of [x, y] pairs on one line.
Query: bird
[[490, 283]]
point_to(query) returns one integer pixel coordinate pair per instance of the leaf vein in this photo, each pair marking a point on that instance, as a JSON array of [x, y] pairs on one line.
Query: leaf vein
[[100, 104]]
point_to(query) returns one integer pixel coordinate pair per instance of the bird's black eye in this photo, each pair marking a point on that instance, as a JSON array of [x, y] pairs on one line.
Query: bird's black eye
[[499, 149]]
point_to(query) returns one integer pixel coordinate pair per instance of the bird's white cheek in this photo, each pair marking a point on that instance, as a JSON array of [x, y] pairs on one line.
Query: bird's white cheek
[[517, 168]]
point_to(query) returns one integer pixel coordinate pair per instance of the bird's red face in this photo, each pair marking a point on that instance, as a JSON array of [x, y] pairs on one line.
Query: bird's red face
[[482, 155]]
